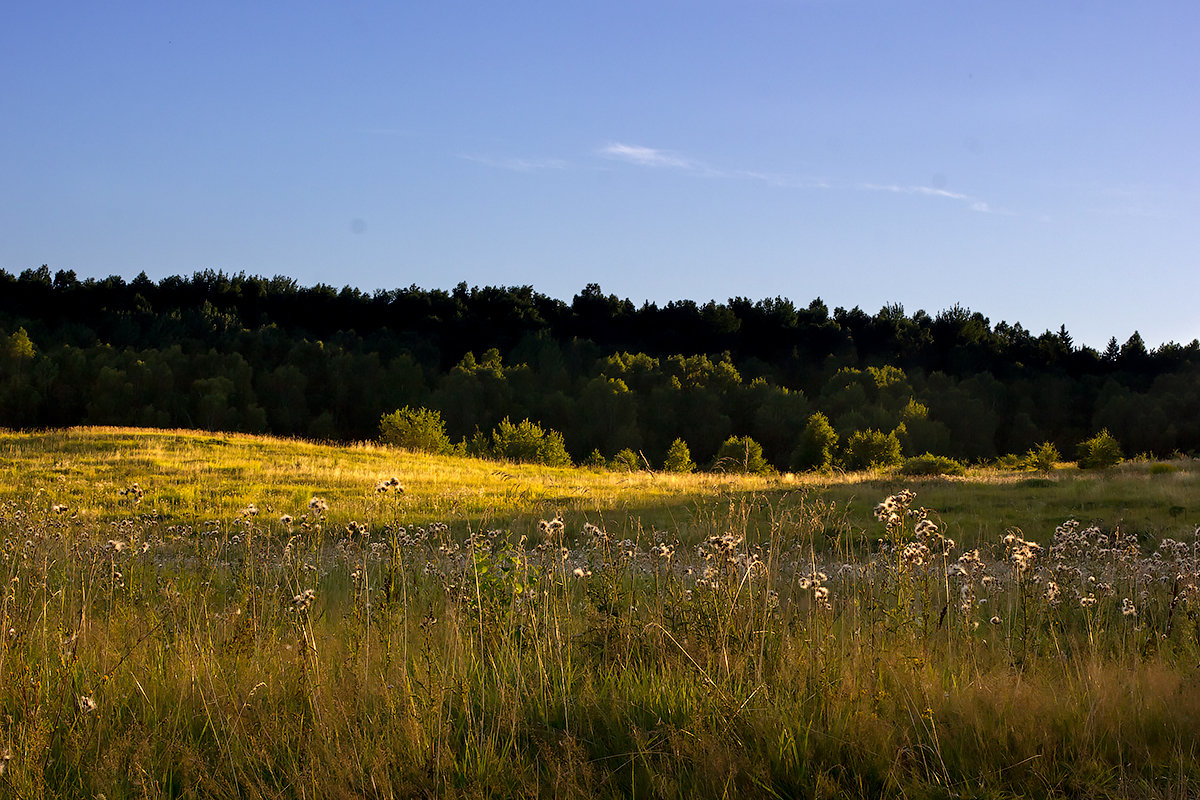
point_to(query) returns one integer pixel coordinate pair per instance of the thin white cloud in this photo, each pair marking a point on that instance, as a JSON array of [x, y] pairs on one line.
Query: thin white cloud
[[973, 203], [666, 159], [649, 157]]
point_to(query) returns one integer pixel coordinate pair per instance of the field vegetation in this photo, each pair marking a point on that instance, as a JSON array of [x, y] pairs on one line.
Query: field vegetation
[[190, 614]]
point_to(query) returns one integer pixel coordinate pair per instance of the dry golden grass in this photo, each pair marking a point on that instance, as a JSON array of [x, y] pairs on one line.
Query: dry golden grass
[[169, 648]]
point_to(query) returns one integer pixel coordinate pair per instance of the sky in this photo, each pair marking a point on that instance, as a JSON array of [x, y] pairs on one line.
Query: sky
[[1037, 162]]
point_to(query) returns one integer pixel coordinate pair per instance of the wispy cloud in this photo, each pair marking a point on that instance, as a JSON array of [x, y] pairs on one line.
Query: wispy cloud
[[516, 164], [668, 159], [649, 157], [973, 203], [657, 158]]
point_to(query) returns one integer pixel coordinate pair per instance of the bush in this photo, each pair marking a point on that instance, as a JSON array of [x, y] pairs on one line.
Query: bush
[[929, 464], [1043, 457], [872, 449], [1099, 452], [817, 443], [626, 460], [1010, 461], [741, 454], [526, 442], [679, 458], [595, 460], [419, 429]]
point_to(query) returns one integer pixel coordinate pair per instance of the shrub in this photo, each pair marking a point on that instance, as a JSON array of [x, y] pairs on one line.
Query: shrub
[[929, 464], [419, 429], [817, 443], [626, 460], [1010, 461], [528, 443], [1043, 457], [1099, 452], [741, 454], [872, 449], [595, 460], [679, 458]]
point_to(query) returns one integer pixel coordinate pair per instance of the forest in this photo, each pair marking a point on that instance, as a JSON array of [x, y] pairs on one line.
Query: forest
[[236, 352]]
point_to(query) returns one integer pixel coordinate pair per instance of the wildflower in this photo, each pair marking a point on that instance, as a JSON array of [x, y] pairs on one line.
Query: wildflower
[[286, 520], [966, 598], [996, 620], [1052, 593], [1021, 552], [250, 510], [59, 508], [303, 601], [86, 704], [1128, 609], [318, 505], [1089, 601], [594, 532], [119, 546]]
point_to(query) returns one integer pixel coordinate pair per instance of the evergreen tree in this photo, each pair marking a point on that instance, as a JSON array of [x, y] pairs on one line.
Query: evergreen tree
[[679, 458]]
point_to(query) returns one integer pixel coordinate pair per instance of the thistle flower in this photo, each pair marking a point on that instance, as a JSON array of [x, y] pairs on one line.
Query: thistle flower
[[1052, 593], [996, 620], [1021, 552], [86, 704], [1088, 602], [594, 532], [303, 601], [318, 505]]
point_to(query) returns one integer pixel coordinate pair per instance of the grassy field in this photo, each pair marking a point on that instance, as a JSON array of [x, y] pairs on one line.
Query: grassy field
[[199, 615]]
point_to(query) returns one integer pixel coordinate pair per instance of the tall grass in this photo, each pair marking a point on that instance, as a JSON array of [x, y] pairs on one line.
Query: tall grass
[[342, 644]]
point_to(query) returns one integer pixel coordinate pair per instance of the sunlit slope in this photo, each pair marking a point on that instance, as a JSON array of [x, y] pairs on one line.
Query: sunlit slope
[[191, 475]]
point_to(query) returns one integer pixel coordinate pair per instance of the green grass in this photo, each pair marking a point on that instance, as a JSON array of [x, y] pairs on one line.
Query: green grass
[[714, 636]]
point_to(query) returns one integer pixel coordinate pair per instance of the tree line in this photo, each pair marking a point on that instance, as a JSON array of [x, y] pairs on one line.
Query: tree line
[[237, 352]]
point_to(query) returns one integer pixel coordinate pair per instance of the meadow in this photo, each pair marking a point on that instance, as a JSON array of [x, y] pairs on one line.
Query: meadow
[[192, 614]]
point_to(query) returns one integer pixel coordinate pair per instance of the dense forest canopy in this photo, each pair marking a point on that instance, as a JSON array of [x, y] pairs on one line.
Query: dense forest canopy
[[238, 352]]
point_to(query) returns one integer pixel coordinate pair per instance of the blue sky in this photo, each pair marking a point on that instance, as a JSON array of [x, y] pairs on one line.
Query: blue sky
[[1034, 161]]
